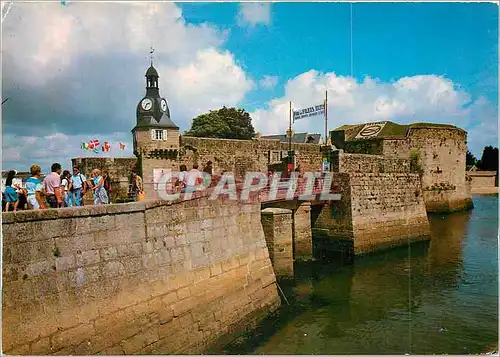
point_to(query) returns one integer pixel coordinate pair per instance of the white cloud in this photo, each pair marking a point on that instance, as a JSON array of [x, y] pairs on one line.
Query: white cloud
[[78, 70], [251, 14], [210, 72], [49, 37], [424, 98], [268, 82]]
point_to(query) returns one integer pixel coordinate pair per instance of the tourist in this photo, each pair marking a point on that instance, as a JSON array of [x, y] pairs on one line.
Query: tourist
[[269, 177], [193, 178], [11, 195], [22, 197], [33, 187], [51, 185], [181, 180], [208, 168], [65, 188], [107, 184], [100, 195], [136, 190], [207, 174], [78, 187]]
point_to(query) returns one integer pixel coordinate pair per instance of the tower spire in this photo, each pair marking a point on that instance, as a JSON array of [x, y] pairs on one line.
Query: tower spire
[[151, 54]]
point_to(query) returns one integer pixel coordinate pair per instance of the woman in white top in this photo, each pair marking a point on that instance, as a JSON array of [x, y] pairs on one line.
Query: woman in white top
[[65, 188]]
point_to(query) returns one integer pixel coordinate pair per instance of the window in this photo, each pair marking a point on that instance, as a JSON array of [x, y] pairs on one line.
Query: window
[[158, 134]]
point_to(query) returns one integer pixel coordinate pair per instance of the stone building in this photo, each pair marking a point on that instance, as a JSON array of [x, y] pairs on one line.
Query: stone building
[[436, 151], [156, 137], [480, 180]]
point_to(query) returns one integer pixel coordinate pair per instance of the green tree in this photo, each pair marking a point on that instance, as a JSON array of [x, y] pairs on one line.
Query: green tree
[[470, 159], [489, 159], [225, 123]]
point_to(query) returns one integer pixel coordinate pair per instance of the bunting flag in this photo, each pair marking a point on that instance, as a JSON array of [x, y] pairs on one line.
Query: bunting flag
[[93, 144], [106, 147]]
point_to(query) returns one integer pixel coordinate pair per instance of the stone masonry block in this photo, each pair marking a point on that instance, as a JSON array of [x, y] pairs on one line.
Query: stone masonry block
[[113, 269], [109, 253], [41, 268], [71, 336], [65, 263]]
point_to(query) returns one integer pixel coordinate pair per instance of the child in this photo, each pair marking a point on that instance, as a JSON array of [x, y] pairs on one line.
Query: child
[[11, 196]]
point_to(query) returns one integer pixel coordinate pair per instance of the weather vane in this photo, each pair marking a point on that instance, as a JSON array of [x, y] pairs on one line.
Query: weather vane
[[151, 54]]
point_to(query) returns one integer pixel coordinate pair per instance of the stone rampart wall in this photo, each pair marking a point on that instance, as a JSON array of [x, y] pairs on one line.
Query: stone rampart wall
[[480, 179], [442, 152], [140, 278], [240, 156], [377, 210], [387, 210], [397, 148], [364, 163], [370, 147]]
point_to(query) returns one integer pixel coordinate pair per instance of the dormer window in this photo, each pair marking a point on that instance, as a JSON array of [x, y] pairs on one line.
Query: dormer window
[[158, 134]]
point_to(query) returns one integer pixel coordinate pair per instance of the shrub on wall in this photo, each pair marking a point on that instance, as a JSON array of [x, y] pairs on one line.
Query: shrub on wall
[[416, 163]]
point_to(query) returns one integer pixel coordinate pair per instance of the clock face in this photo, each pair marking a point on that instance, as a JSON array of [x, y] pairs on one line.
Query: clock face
[[163, 105], [147, 104]]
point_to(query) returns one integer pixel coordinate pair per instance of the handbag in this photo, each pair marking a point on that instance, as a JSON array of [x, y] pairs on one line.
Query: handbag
[[140, 196]]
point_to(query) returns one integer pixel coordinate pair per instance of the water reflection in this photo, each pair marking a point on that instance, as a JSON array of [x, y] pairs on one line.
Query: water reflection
[[431, 297]]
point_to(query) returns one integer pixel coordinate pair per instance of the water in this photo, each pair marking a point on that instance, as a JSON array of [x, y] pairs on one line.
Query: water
[[428, 298]]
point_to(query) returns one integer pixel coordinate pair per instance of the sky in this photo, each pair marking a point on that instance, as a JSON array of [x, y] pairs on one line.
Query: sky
[[75, 72]]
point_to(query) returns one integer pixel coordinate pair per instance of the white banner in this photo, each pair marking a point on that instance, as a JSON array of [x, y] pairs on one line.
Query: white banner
[[309, 112]]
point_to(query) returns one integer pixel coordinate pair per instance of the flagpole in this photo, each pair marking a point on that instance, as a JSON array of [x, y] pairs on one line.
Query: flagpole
[[290, 128], [326, 117]]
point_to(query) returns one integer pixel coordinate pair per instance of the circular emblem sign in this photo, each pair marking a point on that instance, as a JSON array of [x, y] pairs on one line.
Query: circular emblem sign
[[370, 130]]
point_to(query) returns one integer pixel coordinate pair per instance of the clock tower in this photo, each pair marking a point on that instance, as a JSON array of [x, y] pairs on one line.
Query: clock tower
[[156, 137]]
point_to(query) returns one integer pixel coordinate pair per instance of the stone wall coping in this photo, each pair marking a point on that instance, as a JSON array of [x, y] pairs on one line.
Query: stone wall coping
[[73, 212], [271, 211], [111, 209]]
